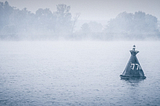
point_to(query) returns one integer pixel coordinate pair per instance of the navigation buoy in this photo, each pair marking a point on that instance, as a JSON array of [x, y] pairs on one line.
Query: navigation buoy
[[133, 68]]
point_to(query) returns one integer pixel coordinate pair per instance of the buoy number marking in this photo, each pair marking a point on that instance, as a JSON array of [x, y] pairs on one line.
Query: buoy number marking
[[133, 65]]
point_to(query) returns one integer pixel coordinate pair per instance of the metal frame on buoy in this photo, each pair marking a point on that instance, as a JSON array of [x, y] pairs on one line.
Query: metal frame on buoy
[[133, 68]]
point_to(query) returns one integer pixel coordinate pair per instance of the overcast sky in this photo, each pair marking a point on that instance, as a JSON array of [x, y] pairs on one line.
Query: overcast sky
[[93, 9]]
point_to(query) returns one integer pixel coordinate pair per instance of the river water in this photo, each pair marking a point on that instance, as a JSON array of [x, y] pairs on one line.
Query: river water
[[46, 73]]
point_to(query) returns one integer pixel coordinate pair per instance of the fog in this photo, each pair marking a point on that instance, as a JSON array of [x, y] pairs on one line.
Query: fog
[[44, 24], [64, 58]]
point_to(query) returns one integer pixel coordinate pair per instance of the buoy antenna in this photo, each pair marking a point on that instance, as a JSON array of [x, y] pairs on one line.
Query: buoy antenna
[[134, 47]]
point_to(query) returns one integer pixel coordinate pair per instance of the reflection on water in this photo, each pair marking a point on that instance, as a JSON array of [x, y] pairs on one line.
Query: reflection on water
[[76, 74], [133, 81]]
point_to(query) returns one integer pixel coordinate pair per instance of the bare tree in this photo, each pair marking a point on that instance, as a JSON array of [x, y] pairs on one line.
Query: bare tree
[[75, 20]]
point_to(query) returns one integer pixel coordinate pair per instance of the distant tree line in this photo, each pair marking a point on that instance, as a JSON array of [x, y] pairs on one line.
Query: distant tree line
[[22, 24], [19, 24], [133, 26], [128, 26]]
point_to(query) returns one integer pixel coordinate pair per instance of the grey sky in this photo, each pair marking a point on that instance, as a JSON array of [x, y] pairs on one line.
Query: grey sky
[[93, 9]]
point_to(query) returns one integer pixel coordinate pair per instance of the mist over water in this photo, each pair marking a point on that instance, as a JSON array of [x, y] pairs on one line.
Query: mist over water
[[76, 73], [52, 58]]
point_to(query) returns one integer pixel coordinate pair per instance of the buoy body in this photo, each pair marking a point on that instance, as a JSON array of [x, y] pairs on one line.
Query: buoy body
[[133, 68]]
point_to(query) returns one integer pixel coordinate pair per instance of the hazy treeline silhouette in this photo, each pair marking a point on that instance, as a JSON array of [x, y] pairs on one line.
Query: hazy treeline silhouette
[[22, 24], [136, 26]]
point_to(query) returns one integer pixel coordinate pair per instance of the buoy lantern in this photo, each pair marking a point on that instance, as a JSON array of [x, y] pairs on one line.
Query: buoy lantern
[[133, 68]]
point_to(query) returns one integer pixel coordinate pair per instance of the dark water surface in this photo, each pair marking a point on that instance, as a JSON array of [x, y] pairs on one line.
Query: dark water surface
[[77, 74]]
